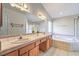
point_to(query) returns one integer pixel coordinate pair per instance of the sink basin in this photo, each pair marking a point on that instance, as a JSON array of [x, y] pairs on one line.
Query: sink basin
[[20, 41]]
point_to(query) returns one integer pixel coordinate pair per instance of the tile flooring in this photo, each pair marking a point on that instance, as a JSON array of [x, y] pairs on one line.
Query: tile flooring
[[58, 52]]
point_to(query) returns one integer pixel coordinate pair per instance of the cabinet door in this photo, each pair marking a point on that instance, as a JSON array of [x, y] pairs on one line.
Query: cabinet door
[[45, 45], [26, 48], [34, 51], [13, 53], [50, 41], [0, 14]]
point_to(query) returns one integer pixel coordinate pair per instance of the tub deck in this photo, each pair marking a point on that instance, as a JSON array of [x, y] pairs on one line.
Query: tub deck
[[68, 43]]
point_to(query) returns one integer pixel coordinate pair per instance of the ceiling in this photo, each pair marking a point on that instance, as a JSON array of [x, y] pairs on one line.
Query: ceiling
[[57, 10]]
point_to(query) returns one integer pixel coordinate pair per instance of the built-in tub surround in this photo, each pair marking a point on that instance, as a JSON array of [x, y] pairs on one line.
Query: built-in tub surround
[[66, 42], [12, 43]]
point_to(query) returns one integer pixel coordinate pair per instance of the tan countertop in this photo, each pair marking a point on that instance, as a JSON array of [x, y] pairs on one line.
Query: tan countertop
[[13, 43]]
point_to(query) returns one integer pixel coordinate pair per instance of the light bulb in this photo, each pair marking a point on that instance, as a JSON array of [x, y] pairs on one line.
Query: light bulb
[[22, 6], [22, 9], [25, 6], [13, 5]]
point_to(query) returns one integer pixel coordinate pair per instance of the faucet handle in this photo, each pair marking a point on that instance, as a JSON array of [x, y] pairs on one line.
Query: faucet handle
[[20, 37]]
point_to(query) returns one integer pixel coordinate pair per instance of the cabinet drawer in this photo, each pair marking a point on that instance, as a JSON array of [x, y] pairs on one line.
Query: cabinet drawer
[[37, 42], [26, 48], [42, 40], [13, 53]]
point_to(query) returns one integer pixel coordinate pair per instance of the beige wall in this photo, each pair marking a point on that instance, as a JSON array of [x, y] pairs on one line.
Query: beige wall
[[64, 25]]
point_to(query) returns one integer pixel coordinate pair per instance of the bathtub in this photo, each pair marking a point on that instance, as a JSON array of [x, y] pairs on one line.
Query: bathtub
[[68, 43]]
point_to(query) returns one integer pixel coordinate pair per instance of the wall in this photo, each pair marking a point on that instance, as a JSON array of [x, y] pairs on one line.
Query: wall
[[77, 27], [66, 27]]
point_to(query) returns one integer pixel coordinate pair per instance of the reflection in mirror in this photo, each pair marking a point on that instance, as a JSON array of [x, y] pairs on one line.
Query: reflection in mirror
[[16, 22]]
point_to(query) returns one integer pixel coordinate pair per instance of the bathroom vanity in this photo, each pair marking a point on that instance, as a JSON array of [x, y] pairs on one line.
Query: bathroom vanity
[[27, 45]]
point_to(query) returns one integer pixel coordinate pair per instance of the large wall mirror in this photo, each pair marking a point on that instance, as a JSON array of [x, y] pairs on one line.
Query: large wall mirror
[[18, 22]]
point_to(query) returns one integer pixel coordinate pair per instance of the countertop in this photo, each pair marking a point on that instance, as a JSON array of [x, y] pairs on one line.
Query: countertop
[[13, 43]]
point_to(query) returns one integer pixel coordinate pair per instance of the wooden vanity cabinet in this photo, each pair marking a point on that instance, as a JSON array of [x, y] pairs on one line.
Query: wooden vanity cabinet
[[28, 50], [34, 51], [33, 48], [13, 53], [24, 50], [46, 44], [0, 14], [43, 46]]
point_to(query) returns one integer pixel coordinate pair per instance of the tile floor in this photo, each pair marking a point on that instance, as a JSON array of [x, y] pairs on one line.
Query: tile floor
[[58, 52]]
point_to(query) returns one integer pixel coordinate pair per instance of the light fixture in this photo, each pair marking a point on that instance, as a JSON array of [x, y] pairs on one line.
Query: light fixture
[[22, 9], [41, 16], [25, 6], [13, 5], [21, 6], [61, 13]]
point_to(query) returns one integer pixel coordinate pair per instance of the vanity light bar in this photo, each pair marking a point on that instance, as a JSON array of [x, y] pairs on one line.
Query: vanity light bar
[[21, 6], [13, 5], [41, 16]]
